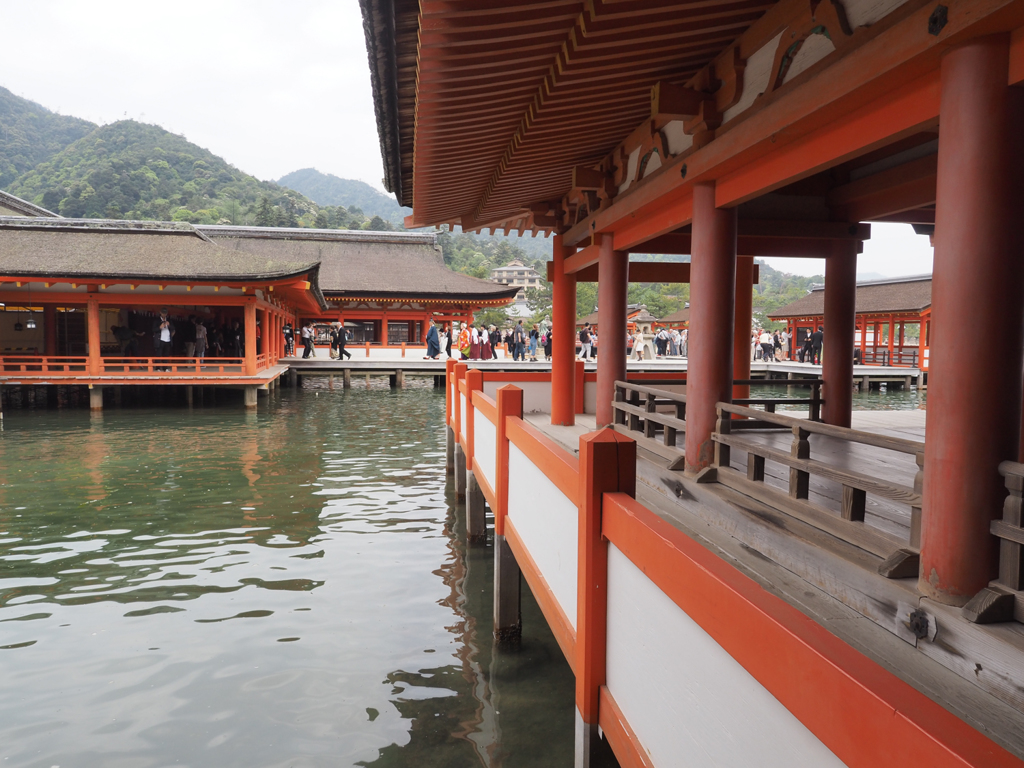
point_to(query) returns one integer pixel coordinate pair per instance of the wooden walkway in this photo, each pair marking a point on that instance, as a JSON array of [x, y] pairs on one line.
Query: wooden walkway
[[888, 466]]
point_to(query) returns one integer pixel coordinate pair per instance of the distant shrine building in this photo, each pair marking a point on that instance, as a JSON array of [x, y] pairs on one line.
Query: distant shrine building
[[893, 320], [384, 286], [82, 299]]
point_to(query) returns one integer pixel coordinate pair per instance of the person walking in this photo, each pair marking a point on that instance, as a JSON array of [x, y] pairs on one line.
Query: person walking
[[585, 342], [784, 337], [289, 340], [307, 341], [519, 342], [547, 345], [433, 342], [342, 341], [495, 337], [188, 333], [449, 331], [534, 340]]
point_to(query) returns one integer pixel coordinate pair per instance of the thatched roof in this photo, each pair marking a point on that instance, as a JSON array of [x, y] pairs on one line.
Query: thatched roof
[[386, 265], [897, 295], [99, 249], [678, 317], [15, 206]]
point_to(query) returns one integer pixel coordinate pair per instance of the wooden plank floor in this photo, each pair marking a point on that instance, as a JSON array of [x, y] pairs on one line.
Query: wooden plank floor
[[887, 516]]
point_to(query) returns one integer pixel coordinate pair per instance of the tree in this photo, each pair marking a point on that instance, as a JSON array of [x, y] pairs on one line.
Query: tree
[[498, 317], [377, 224], [539, 299], [265, 216]]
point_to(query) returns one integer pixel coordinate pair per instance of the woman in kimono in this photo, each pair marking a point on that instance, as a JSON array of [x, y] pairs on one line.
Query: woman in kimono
[[433, 342], [485, 344]]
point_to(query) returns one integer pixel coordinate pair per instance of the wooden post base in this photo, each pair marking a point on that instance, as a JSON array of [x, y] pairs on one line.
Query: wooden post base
[[508, 621], [96, 398], [449, 452], [250, 397], [476, 510], [460, 472]]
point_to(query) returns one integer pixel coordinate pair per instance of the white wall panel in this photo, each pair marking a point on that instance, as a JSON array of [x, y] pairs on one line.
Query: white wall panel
[[547, 523], [462, 415], [485, 437], [590, 397], [536, 394], [687, 700]]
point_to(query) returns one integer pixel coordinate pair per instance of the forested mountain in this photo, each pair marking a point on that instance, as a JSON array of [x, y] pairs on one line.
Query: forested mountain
[[328, 189], [31, 134]]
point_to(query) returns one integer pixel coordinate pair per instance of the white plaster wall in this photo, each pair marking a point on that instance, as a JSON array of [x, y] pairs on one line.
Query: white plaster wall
[[755, 77], [547, 523], [590, 397], [814, 49], [536, 394], [462, 415], [676, 137], [688, 701], [485, 438], [653, 164], [631, 163], [863, 13]]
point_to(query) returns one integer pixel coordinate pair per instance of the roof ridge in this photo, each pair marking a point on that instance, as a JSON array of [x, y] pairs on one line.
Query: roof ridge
[[339, 235], [15, 203]]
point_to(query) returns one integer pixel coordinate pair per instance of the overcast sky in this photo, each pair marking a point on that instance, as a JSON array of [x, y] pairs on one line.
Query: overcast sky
[[271, 87]]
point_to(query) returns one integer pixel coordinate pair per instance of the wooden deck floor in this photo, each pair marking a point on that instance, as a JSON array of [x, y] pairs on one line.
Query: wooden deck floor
[[886, 516]]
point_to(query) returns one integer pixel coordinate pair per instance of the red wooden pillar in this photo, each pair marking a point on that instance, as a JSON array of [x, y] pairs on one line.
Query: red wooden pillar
[[741, 329], [612, 286], [607, 465], [49, 330], [250, 338], [261, 316], [712, 290], [973, 424], [563, 345], [840, 324], [93, 335], [863, 339]]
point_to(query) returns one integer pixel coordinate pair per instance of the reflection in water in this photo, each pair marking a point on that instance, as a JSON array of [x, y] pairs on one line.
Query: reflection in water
[[209, 587], [886, 399]]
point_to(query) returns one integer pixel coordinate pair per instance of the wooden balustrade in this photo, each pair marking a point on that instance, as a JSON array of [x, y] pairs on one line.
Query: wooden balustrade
[[1003, 599], [900, 552], [171, 366], [32, 364], [636, 413], [642, 421]]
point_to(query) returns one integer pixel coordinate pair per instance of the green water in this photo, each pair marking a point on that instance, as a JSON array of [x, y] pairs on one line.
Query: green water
[[286, 588], [875, 400]]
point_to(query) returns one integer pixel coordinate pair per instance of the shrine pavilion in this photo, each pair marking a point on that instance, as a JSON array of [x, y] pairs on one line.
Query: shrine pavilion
[[732, 584], [384, 286], [892, 324]]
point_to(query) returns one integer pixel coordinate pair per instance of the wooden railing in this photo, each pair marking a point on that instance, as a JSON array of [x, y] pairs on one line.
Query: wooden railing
[[262, 361], [1003, 599], [171, 366], [636, 412], [44, 365], [900, 553], [908, 359]]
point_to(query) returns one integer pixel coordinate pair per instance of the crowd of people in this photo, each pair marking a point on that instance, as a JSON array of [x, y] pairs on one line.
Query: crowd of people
[[778, 346], [194, 337]]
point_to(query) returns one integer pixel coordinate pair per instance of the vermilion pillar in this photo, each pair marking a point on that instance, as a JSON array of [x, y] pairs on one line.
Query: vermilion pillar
[[250, 339], [977, 315], [612, 285], [742, 329], [840, 329], [93, 335], [712, 290], [563, 345]]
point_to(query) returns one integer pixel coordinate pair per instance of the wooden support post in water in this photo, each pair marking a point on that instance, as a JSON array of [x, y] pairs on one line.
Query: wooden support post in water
[[250, 396], [346, 379], [400, 379], [460, 472], [95, 398], [508, 625], [330, 382], [476, 510], [607, 465], [188, 396]]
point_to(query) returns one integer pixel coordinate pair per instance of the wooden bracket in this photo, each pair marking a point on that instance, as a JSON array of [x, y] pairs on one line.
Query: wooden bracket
[[901, 564], [990, 606]]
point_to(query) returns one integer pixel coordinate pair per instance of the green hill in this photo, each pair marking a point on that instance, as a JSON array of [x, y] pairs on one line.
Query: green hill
[[31, 134], [328, 189], [134, 170]]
